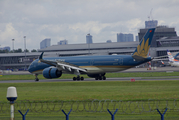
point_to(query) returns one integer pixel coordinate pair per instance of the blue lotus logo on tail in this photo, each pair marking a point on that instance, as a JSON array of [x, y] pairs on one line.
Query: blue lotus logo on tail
[[142, 50]]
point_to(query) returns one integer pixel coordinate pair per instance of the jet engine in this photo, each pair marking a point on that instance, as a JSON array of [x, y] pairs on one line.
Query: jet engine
[[50, 73]]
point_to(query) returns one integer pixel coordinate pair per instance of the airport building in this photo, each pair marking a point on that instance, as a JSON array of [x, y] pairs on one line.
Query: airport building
[[164, 38], [137, 38], [125, 37], [89, 39], [63, 42], [45, 43], [108, 41], [170, 43], [151, 24], [19, 61], [95, 48]]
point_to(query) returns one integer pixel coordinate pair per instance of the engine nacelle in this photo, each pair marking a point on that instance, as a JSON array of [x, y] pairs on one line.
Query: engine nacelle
[[50, 73]]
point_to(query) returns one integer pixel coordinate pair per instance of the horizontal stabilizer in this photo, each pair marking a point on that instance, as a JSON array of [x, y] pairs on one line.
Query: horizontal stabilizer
[[138, 58]]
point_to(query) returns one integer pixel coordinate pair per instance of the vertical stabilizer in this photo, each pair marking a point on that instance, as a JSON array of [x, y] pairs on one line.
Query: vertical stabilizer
[[143, 48], [171, 59]]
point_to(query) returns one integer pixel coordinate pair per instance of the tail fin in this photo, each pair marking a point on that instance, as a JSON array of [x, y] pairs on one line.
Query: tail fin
[[143, 48], [171, 58]]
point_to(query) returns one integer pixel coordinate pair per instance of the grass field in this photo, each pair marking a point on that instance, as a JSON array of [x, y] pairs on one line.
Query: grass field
[[85, 90], [108, 75]]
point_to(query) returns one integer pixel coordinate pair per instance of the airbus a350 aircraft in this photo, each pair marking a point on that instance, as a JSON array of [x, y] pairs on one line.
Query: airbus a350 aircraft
[[172, 61], [94, 66]]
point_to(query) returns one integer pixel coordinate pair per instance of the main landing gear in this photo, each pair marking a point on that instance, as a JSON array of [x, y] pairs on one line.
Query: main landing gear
[[36, 78], [78, 78], [100, 78]]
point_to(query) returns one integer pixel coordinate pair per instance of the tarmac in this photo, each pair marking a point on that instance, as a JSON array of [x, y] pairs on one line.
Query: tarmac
[[160, 69]]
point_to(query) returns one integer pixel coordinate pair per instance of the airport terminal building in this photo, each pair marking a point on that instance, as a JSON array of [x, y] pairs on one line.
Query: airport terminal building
[[164, 38]]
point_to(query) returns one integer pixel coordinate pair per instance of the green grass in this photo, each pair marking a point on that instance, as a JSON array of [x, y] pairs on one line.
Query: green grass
[[83, 90], [108, 75], [90, 90], [104, 117]]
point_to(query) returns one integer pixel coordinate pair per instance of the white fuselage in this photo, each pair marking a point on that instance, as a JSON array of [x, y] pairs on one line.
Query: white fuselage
[[176, 64]]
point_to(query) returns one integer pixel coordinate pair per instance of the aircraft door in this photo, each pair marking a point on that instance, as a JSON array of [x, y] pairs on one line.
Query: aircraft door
[[120, 61], [91, 62]]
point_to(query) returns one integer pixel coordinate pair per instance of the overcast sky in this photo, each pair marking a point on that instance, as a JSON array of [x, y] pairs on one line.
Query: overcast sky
[[74, 19]]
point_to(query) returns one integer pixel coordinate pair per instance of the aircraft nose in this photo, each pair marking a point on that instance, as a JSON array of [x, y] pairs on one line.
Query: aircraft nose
[[29, 68]]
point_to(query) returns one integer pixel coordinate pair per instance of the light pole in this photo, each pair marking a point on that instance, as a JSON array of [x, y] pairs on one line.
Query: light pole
[[13, 45], [25, 50], [89, 48]]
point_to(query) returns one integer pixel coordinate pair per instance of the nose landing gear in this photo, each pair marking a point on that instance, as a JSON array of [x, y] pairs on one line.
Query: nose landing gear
[[36, 78]]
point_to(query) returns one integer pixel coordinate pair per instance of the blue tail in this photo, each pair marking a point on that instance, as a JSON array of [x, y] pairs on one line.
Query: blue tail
[[143, 48]]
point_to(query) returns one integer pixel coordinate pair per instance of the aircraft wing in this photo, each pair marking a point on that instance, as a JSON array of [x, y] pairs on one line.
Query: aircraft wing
[[165, 56], [61, 65], [160, 58], [70, 67]]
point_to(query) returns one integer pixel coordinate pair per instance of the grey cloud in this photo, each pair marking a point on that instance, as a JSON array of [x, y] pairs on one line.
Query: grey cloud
[[73, 19]]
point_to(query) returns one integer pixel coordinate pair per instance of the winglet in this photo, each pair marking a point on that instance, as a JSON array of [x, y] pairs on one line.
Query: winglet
[[41, 56]]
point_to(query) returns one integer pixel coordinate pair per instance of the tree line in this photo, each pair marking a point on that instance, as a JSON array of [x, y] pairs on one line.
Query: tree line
[[16, 51]]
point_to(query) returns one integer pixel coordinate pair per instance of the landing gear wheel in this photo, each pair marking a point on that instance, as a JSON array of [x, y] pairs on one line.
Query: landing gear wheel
[[82, 78], [98, 76], [78, 78], [74, 78]]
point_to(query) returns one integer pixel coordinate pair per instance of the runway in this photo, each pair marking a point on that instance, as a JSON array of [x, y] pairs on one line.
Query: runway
[[92, 79], [161, 69]]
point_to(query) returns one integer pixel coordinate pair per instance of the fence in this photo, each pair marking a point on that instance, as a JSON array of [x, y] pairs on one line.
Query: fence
[[124, 107]]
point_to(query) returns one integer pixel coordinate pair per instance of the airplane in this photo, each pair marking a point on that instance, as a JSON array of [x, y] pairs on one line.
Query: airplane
[[94, 66], [172, 60]]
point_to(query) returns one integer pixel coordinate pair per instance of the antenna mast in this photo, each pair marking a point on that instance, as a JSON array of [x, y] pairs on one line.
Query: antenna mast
[[151, 14]]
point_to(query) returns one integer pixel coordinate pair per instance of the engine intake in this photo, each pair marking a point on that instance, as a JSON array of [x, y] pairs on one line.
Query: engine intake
[[50, 73]]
